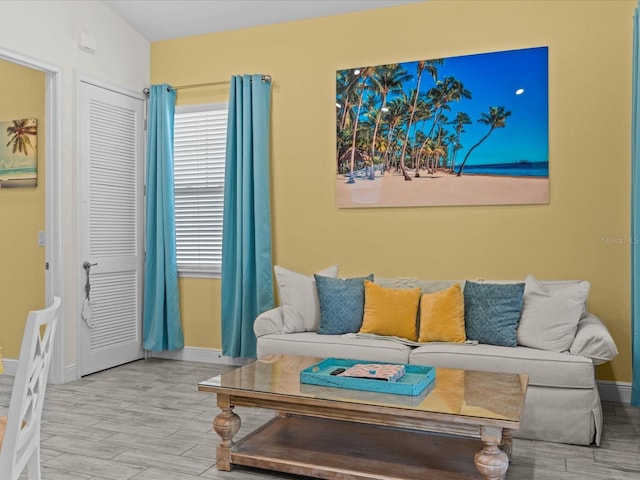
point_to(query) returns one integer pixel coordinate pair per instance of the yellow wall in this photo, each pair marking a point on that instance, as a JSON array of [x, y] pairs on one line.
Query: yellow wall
[[582, 234], [22, 212]]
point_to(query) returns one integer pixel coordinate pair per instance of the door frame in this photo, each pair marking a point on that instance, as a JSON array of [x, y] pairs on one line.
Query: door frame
[[53, 189], [78, 196]]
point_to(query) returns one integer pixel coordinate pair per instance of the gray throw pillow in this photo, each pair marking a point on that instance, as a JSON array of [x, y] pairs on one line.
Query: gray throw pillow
[[551, 313], [299, 292]]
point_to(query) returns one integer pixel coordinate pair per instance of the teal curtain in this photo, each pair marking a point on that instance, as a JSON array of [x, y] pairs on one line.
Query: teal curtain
[[247, 284], [162, 325], [635, 218]]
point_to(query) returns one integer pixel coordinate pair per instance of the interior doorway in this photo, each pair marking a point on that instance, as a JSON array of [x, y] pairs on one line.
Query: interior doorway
[[52, 257]]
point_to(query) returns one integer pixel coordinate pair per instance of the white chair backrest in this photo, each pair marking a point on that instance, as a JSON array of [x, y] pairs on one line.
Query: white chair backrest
[[21, 444]]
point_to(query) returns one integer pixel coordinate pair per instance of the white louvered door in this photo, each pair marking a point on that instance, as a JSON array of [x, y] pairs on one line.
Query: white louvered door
[[111, 142]]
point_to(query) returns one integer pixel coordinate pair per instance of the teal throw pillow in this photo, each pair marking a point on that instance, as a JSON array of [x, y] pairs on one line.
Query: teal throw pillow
[[341, 304], [492, 312]]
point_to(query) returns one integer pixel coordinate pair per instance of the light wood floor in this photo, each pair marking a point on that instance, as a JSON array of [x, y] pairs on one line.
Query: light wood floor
[[147, 421]]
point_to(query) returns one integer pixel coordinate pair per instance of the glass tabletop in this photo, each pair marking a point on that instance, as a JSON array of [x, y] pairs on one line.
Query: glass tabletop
[[497, 396]]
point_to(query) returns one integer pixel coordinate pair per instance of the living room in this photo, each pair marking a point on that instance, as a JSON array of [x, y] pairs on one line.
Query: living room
[[582, 233]]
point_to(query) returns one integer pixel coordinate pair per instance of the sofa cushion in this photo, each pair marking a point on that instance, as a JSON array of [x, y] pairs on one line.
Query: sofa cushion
[[299, 292], [337, 346], [390, 311], [341, 304], [550, 314], [548, 369], [442, 316], [492, 312]]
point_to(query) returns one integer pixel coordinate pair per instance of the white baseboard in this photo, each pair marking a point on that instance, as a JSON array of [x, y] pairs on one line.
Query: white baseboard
[[619, 392], [190, 354], [70, 373], [202, 355], [11, 367]]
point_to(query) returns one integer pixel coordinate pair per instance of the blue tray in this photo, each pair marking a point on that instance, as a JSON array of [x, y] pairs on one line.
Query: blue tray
[[414, 381]]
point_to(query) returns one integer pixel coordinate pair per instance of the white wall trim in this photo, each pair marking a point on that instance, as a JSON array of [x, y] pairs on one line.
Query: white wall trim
[[53, 235], [11, 367], [189, 354], [619, 392], [202, 355]]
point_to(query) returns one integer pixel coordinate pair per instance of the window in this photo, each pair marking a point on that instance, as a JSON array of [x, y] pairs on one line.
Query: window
[[200, 136]]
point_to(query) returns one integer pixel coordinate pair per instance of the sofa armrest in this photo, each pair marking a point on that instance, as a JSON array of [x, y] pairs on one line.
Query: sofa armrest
[[282, 319], [268, 322], [593, 340]]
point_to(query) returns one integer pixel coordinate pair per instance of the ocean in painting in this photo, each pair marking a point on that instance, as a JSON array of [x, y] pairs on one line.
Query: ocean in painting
[[18, 177], [519, 169], [17, 172]]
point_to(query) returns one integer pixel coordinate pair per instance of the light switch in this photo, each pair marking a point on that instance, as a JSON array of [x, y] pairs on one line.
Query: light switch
[[41, 238]]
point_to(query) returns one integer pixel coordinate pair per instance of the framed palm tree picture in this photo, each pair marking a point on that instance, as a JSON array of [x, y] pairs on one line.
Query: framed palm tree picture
[[467, 130], [19, 153]]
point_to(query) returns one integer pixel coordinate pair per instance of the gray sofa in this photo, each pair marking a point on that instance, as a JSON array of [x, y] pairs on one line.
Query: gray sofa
[[562, 402]]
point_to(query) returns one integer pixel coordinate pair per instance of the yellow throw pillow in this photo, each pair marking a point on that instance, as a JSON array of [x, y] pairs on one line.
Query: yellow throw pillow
[[442, 316], [390, 311]]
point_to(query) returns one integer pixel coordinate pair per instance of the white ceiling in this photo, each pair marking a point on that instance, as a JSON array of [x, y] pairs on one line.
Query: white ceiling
[[167, 19]]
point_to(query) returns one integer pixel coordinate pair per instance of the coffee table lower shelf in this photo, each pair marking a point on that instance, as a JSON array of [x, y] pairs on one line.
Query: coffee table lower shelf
[[335, 449]]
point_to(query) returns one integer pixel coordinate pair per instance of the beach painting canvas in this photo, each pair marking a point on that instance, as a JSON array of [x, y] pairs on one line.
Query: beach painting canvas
[[467, 130], [19, 153]]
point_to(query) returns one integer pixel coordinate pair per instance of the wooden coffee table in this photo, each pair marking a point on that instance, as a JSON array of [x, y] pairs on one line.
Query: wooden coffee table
[[333, 433]]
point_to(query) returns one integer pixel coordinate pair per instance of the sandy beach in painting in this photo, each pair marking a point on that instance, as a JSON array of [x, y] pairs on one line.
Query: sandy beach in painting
[[18, 182], [441, 189]]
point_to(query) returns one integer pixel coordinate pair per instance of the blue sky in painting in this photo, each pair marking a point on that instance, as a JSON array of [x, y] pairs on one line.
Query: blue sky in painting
[[493, 79]]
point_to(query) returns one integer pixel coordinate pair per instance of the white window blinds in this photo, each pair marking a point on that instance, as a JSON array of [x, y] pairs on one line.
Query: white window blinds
[[200, 135]]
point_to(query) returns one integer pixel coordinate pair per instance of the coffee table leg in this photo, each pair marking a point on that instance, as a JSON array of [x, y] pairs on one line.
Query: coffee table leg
[[507, 442], [490, 461], [226, 424]]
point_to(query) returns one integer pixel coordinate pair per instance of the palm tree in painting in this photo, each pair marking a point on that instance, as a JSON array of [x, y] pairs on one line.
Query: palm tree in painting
[[448, 90], [394, 118], [439, 148], [451, 150], [386, 79], [343, 141], [407, 122], [427, 149], [364, 74], [422, 65], [422, 113], [421, 139], [496, 118], [462, 119], [20, 132], [345, 96]]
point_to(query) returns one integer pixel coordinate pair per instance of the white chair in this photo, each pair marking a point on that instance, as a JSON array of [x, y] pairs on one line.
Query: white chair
[[21, 428]]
